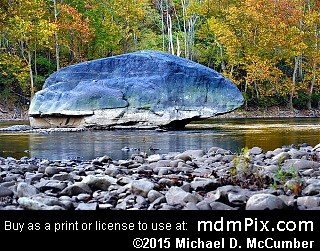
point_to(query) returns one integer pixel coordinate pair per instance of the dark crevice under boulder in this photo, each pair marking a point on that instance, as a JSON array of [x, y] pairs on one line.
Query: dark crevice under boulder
[[143, 89]]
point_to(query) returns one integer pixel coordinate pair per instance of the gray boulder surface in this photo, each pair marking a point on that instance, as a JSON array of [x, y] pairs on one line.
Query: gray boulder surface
[[140, 89]]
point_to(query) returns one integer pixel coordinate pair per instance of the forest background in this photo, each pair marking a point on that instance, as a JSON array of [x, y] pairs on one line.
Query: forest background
[[268, 48]]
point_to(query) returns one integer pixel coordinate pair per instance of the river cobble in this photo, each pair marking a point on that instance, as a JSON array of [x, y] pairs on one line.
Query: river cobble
[[287, 178]]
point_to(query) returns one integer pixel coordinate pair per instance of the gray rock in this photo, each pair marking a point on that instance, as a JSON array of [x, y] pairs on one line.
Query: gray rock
[[101, 182], [220, 206], [194, 153], [70, 185], [25, 190], [87, 206], [301, 164], [255, 150], [53, 185], [17, 128], [31, 204], [307, 202], [141, 187], [193, 206], [153, 195], [202, 205], [177, 195], [4, 191], [207, 184], [311, 189], [76, 188], [265, 202], [143, 88]]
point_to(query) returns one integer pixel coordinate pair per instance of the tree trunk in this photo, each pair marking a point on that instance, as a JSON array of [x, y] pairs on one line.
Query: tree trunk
[[178, 47], [31, 75], [186, 49], [162, 25], [314, 66], [169, 24], [56, 36], [296, 64], [309, 103]]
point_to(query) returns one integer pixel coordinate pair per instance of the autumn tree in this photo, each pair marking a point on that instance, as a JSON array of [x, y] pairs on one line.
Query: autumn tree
[[262, 45], [116, 25], [312, 54], [269, 48], [27, 28], [72, 35], [14, 75]]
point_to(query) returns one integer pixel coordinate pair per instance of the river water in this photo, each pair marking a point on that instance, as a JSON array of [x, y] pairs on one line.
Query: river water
[[231, 134]]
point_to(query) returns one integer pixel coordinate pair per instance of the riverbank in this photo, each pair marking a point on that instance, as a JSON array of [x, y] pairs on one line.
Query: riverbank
[[12, 115], [268, 112], [271, 112]]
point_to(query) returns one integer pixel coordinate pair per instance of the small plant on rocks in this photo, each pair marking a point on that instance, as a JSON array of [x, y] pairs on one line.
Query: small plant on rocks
[[244, 174], [288, 180]]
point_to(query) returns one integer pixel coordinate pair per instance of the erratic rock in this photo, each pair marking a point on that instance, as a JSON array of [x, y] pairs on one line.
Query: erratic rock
[[139, 89]]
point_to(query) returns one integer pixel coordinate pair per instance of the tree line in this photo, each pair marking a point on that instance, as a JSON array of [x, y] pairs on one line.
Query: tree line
[[268, 48]]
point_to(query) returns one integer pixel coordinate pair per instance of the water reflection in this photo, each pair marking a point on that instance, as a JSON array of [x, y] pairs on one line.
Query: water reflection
[[232, 134], [268, 133], [14, 145], [88, 145]]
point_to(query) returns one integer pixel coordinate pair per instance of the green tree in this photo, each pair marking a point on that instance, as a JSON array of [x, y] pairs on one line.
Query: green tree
[[312, 32], [72, 35], [27, 28], [14, 75]]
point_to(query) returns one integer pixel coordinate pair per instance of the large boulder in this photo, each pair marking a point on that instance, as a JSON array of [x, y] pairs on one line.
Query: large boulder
[[139, 89]]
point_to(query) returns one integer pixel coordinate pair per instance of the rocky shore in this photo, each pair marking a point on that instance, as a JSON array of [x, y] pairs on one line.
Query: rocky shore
[[287, 178], [271, 112]]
